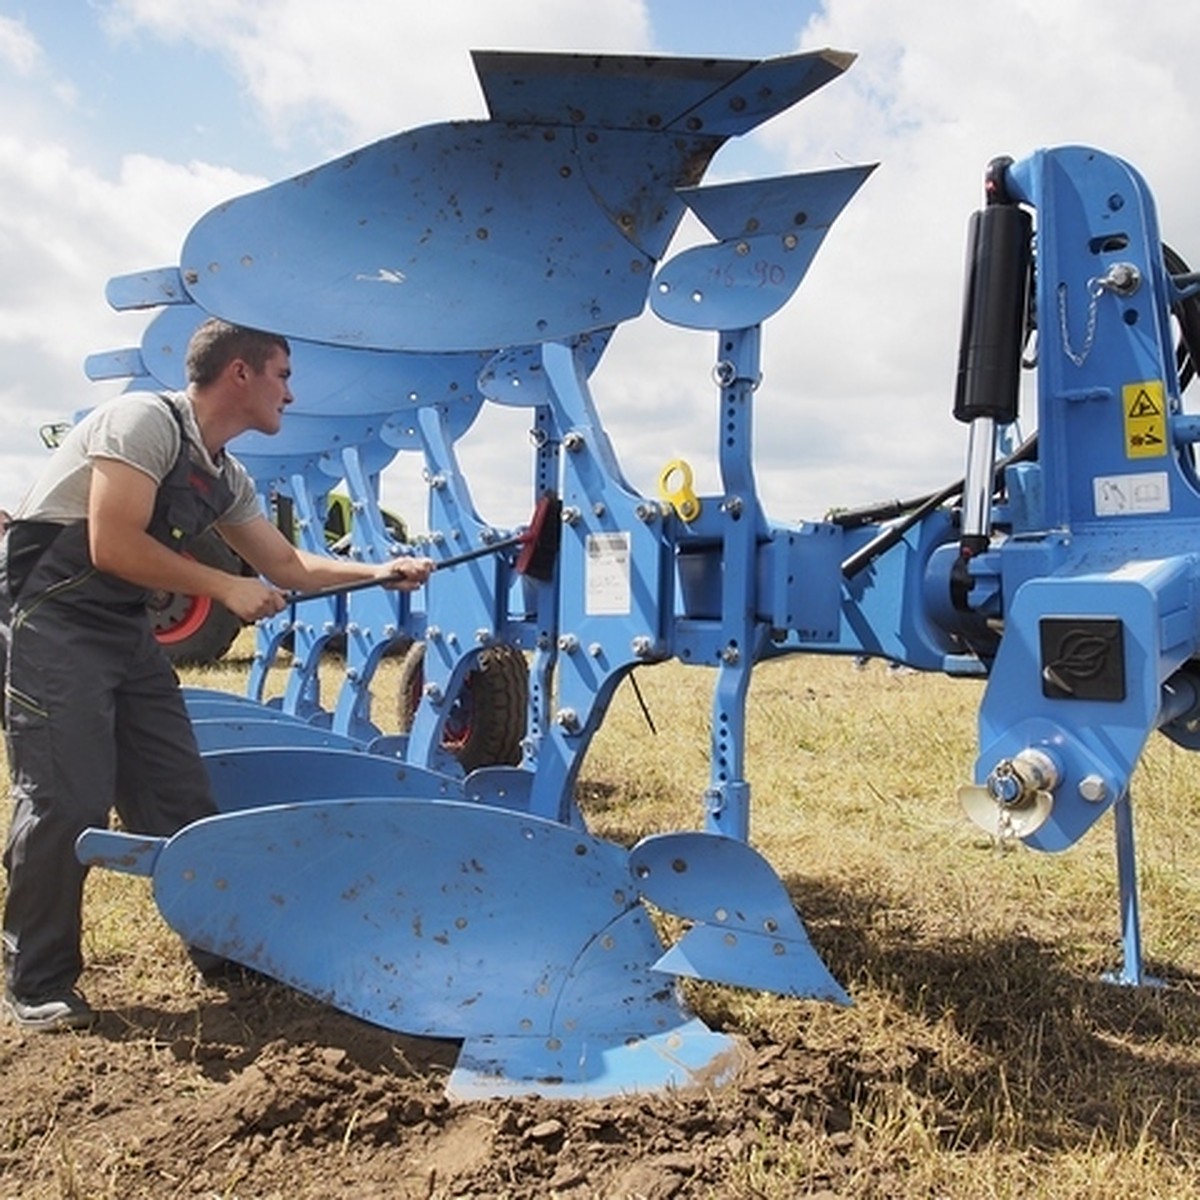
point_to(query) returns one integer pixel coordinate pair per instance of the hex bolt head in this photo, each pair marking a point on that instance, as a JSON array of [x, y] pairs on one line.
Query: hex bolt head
[[1093, 789]]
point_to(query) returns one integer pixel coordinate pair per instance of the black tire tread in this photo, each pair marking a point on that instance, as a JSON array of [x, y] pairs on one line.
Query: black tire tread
[[499, 699]]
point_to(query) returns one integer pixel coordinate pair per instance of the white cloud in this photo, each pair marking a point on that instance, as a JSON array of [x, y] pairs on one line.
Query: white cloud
[[19, 49], [368, 68], [858, 369], [64, 231], [861, 365]]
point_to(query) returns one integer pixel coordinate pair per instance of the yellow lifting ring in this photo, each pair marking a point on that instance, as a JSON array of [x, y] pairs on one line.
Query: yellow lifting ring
[[675, 487]]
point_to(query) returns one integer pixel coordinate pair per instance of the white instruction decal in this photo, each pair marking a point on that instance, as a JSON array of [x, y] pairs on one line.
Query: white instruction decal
[[1129, 495], [606, 582]]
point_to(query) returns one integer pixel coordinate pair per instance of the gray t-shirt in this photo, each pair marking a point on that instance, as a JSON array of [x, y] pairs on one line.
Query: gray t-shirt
[[137, 429]]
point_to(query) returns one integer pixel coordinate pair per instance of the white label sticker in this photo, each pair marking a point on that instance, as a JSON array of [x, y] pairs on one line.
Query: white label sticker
[[1128, 495], [607, 590]]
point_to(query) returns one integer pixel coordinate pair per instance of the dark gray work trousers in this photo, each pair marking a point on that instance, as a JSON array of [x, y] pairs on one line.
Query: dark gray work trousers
[[95, 720]]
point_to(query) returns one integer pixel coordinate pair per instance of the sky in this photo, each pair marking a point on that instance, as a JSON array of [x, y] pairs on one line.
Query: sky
[[124, 121]]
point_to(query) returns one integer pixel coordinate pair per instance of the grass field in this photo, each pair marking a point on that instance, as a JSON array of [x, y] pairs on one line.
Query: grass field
[[988, 1057], [983, 1056]]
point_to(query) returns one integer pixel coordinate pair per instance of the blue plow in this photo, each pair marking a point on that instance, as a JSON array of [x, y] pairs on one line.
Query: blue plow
[[437, 882], [432, 918], [419, 279]]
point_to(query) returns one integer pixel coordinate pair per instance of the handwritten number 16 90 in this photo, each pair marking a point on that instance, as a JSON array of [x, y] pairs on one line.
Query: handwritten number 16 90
[[762, 272]]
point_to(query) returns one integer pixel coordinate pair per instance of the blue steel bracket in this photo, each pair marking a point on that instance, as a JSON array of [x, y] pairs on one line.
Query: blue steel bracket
[[146, 289], [466, 607], [375, 617], [1096, 579], [1046, 694], [769, 231], [117, 364], [314, 621], [616, 545]]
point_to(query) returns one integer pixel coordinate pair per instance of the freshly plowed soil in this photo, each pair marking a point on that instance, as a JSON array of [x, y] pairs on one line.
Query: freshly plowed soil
[[255, 1091]]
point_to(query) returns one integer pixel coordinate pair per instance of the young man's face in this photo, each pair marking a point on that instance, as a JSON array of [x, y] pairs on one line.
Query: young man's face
[[268, 393]]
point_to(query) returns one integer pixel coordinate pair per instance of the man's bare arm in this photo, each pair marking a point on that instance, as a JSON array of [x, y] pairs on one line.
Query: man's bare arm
[[120, 507]]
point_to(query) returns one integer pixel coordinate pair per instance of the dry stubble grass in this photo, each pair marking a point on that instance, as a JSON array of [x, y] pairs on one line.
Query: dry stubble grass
[[983, 1056]]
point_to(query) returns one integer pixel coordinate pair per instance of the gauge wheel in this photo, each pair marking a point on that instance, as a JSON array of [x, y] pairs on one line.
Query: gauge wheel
[[486, 722]]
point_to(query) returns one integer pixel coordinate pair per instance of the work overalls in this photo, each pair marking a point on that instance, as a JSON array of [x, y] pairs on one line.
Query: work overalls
[[95, 720]]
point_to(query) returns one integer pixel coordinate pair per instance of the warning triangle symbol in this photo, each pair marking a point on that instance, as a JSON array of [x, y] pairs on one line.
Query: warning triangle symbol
[[1144, 405]]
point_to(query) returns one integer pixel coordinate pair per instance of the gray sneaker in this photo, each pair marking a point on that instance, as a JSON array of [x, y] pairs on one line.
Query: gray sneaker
[[68, 1010]]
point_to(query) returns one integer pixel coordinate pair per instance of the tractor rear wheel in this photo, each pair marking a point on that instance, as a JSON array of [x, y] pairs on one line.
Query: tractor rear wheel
[[197, 629], [486, 723]]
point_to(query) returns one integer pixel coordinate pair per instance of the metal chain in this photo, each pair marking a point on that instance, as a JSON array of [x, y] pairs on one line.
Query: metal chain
[[1095, 289], [1122, 279]]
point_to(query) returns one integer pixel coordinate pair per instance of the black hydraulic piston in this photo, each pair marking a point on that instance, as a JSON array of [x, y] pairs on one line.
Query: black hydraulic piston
[[993, 330], [987, 391]]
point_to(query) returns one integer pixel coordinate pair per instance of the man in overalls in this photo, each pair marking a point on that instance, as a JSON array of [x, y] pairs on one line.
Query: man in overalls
[[95, 718]]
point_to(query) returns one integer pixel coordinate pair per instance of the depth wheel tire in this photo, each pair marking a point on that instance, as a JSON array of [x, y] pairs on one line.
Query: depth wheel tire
[[486, 723], [196, 630]]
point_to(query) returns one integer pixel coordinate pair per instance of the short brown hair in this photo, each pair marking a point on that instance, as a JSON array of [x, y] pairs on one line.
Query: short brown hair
[[216, 343]]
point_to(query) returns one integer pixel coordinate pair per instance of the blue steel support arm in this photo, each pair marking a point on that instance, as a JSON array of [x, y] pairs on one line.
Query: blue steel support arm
[[768, 232], [539, 630], [462, 605], [727, 800], [375, 617], [615, 545], [315, 620]]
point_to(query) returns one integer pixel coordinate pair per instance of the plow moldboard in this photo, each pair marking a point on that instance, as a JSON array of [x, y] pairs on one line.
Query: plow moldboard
[[445, 919]]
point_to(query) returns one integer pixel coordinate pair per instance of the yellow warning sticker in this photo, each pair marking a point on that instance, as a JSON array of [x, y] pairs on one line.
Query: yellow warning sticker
[[1145, 419]]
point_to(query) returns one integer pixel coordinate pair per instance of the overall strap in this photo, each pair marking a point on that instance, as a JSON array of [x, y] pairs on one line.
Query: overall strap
[[189, 499]]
